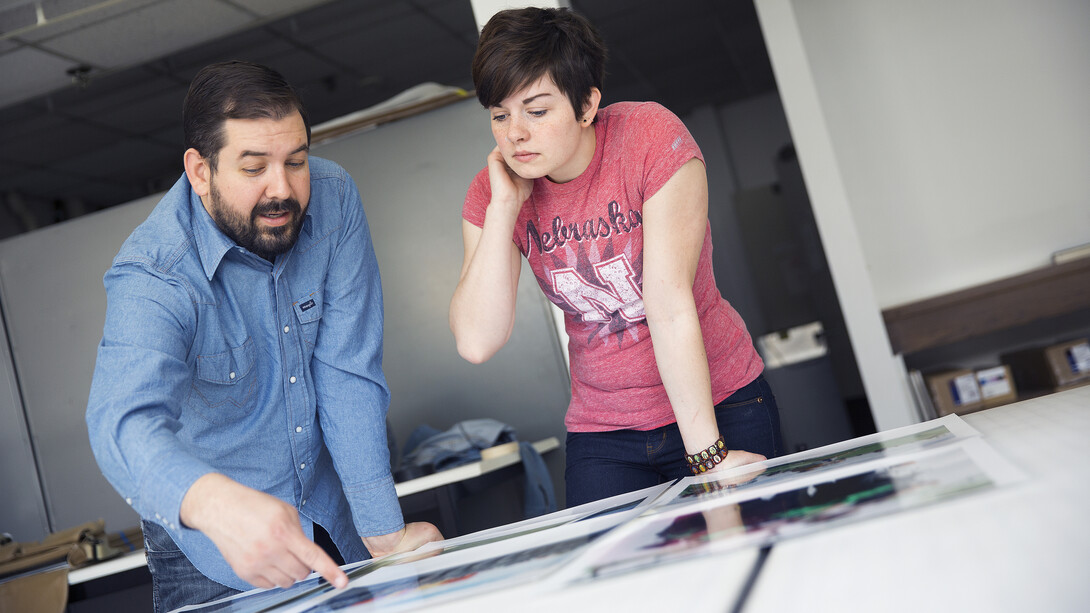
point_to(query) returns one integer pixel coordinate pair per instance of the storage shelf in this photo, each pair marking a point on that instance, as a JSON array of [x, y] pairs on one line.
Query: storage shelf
[[1039, 294]]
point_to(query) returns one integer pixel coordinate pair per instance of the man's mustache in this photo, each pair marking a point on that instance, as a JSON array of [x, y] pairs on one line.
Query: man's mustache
[[272, 207]]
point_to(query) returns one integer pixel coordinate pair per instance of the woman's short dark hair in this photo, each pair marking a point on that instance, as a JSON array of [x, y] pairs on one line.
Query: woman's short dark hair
[[234, 90], [519, 46]]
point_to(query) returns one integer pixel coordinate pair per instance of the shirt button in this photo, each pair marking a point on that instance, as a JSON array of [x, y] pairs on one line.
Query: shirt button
[[298, 428], [304, 503], [129, 500], [286, 329], [232, 375], [292, 379], [302, 466]]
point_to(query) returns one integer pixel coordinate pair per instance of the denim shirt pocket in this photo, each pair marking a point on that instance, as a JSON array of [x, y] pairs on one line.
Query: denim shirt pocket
[[225, 387], [308, 310]]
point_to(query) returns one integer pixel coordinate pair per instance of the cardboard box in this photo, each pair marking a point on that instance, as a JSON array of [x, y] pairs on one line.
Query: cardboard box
[[955, 391], [1051, 368], [996, 385]]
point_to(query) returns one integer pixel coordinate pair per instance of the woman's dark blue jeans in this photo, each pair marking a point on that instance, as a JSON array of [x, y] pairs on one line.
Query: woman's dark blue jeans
[[602, 464]]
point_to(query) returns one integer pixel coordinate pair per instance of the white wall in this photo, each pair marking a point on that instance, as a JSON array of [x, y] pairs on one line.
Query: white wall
[[944, 145], [22, 513], [961, 132], [54, 305]]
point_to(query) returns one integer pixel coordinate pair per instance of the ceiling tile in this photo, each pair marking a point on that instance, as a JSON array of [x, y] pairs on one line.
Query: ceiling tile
[[37, 183], [15, 116], [111, 92], [601, 11], [29, 72], [255, 45], [16, 135], [341, 18], [68, 15], [124, 161], [144, 114], [456, 16], [149, 32], [388, 51], [275, 8], [15, 18], [47, 146], [304, 69], [97, 195]]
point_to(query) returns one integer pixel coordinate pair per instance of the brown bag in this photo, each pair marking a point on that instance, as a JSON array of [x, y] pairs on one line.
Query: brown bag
[[41, 591], [34, 576]]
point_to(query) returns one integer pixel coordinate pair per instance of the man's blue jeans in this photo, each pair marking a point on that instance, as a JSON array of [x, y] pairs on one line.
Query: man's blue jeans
[[175, 582], [602, 464]]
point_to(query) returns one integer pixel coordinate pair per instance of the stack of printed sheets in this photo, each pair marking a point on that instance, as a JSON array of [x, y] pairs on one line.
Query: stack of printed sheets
[[748, 507]]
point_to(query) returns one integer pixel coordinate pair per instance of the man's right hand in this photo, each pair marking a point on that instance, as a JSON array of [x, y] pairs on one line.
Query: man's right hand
[[259, 535]]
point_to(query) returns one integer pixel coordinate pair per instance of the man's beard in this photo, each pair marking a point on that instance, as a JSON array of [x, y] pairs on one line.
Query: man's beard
[[266, 242]]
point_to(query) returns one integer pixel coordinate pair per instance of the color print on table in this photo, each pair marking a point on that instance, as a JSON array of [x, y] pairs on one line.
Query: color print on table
[[908, 439], [749, 519]]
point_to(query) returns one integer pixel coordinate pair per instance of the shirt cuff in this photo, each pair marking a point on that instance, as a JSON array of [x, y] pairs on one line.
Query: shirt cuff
[[375, 508], [165, 485]]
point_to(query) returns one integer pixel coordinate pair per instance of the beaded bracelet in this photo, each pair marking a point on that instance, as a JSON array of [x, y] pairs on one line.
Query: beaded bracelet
[[708, 458]]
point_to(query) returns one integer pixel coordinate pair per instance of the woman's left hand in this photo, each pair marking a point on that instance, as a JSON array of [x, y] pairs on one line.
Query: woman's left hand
[[735, 458]]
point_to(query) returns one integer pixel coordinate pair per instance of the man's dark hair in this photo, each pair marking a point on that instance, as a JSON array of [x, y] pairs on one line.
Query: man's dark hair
[[234, 90], [519, 46]]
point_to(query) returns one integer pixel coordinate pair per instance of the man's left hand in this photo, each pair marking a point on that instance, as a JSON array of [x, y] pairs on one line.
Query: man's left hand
[[407, 539]]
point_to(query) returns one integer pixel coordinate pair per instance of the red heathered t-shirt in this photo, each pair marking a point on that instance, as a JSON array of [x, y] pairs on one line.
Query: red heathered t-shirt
[[584, 242]]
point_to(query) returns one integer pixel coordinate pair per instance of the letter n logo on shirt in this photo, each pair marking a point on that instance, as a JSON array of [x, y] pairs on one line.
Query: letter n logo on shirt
[[597, 303]]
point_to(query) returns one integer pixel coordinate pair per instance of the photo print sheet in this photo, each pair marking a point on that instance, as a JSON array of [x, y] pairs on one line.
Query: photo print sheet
[[623, 503], [748, 507], [746, 518], [276, 599], [768, 473], [449, 575], [604, 514]]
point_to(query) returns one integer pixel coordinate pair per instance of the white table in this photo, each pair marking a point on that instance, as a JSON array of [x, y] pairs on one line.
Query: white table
[[1023, 548], [1020, 548], [469, 471]]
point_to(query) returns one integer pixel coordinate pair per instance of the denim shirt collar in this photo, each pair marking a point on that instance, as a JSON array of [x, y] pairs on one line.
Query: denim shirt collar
[[212, 243]]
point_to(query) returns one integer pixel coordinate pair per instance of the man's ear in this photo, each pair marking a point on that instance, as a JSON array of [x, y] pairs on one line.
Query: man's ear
[[590, 109], [198, 170]]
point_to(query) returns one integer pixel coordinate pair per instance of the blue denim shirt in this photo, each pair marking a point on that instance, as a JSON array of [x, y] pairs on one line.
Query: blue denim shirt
[[214, 360]]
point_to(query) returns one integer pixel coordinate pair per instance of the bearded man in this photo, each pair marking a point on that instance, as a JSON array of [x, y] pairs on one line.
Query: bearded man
[[238, 401]]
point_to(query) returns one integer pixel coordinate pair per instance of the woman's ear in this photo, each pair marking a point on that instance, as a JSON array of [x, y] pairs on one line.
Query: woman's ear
[[590, 109], [198, 170]]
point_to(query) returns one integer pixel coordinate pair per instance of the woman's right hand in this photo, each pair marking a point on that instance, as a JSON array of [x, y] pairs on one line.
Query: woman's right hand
[[506, 186], [482, 310]]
